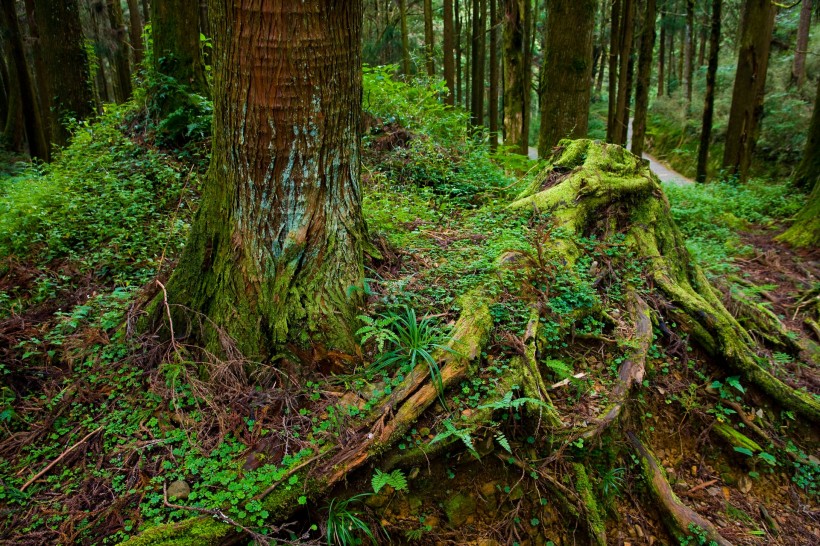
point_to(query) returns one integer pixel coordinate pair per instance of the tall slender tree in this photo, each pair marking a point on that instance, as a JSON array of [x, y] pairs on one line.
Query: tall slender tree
[[429, 46], [802, 45], [662, 54], [614, 51], [689, 50], [749, 89], [644, 76], [709, 99], [274, 258], [449, 50], [122, 65], [565, 88], [494, 75], [405, 38], [621, 119], [516, 92], [478, 61], [135, 31]]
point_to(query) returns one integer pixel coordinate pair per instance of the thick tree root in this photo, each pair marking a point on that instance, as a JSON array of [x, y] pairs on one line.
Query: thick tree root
[[632, 369], [607, 179], [677, 515], [381, 429]]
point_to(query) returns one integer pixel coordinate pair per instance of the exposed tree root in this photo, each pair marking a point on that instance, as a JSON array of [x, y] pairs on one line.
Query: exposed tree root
[[677, 515], [603, 191], [383, 428]]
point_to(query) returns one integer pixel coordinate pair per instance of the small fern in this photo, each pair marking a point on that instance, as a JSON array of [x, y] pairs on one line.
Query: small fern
[[503, 442], [559, 368], [508, 402], [394, 479], [462, 434], [378, 329]]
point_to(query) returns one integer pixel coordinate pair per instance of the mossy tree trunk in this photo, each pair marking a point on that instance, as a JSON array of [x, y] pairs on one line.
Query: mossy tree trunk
[[405, 39], [274, 259], [122, 64], [175, 31], [565, 88], [805, 232], [749, 90]]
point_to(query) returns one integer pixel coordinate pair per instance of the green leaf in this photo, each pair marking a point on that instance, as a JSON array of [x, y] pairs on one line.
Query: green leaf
[[745, 451]]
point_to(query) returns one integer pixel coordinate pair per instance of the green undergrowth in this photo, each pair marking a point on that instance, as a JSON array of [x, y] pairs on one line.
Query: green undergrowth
[[106, 211], [712, 215]]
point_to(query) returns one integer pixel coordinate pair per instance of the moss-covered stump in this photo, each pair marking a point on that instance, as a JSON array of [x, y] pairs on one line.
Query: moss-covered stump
[[589, 193]]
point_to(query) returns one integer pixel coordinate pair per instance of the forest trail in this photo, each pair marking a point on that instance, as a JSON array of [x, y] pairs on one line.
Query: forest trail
[[664, 173]]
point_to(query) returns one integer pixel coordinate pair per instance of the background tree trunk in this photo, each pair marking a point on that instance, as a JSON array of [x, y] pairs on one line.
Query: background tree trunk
[[122, 66], [493, 97], [274, 258], [32, 118], [459, 83], [135, 29], [428, 38], [449, 61], [750, 87], [66, 62], [14, 135], [689, 50], [614, 51], [661, 59], [564, 88], [515, 93], [175, 30], [709, 100], [808, 171], [405, 38], [621, 120], [802, 45], [644, 77], [478, 60]]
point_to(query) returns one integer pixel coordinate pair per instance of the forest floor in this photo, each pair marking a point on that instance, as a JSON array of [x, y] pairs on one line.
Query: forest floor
[[95, 425]]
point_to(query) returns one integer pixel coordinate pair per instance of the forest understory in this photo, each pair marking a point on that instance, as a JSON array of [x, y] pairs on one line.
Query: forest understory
[[543, 363]]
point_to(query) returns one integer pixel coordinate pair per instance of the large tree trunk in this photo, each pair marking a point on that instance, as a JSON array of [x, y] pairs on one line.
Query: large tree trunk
[[274, 259], [428, 38], [32, 118], [644, 75], [564, 88], [175, 30], [802, 45], [516, 94], [13, 136], [494, 75], [805, 231], [449, 46], [750, 87], [478, 61], [709, 100], [808, 172]]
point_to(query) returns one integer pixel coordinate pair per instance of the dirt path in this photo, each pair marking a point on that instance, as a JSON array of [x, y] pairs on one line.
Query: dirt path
[[664, 173]]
